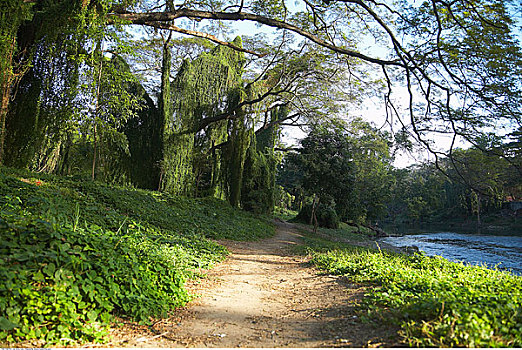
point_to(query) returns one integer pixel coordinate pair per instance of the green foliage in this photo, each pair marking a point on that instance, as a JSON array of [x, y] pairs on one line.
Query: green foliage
[[68, 86], [475, 182], [325, 214], [371, 153], [235, 156], [329, 170], [204, 87], [41, 115], [143, 132], [419, 194], [12, 14], [348, 165], [75, 252], [258, 189], [492, 76], [284, 213], [437, 303], [290, 177], [257, 193]]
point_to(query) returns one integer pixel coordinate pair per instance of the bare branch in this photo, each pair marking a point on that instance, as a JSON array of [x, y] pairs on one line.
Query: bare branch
[[212, 38]]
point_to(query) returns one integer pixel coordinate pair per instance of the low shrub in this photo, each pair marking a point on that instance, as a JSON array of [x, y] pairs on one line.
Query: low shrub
[[436, 302], [75, 253], [325, 214]]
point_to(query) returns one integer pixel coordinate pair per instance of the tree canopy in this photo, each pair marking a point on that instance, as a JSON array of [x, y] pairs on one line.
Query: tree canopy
[[106, 76]]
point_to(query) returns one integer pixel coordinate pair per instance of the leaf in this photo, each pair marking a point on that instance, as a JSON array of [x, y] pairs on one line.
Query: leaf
[[92, 315], [49, 269], [7, 325]]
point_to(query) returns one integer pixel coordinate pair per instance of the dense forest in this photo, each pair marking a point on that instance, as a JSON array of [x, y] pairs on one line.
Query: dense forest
[[191, 109]]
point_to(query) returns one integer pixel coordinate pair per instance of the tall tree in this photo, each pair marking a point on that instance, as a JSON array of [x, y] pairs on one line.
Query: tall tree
[[433, 50], [12, 14], [373, 162], [329, 170], [208, 86]]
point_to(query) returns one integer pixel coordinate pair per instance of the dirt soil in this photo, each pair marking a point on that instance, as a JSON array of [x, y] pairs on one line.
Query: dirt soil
[[264, 296]]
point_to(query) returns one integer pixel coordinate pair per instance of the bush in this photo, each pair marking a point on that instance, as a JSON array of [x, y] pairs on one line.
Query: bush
[[325, 214]]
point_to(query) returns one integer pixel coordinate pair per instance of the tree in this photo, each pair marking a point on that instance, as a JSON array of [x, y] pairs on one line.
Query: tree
[[12, 15], [347, 166], [433, 48], [25, 29], [315, 66], [421, 194], [329, 170], [373, 162], [482, 174]]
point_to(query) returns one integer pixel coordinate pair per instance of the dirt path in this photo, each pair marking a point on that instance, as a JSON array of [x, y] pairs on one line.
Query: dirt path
[[263, 296]]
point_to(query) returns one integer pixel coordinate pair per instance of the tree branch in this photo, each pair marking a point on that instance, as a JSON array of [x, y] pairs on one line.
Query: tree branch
[[150, 18], [212, 38]]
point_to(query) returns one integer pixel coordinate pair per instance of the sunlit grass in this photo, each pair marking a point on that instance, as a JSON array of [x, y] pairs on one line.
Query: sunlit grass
[[437, 303]]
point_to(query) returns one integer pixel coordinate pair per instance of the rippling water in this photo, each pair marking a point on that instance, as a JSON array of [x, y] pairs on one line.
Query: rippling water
[[504, 251]]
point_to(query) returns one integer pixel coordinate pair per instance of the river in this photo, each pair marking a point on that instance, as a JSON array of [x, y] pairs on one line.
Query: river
[[475, 249]]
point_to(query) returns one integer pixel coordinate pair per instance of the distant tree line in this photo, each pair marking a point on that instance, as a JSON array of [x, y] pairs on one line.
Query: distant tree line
[[347, 173]]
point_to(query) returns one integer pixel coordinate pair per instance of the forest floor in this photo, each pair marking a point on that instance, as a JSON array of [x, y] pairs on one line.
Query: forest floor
[[264, 295]]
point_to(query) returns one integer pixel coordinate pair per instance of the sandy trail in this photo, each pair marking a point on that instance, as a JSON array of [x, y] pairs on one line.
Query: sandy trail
[[264, 296]]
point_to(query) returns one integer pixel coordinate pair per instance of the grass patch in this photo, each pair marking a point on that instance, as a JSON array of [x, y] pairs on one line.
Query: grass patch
[[76, 252], [284, 213], [437, 303], [346, 232], [327, 239]]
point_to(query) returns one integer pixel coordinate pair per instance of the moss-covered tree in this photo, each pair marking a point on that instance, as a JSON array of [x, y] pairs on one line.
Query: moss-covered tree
[[259, 175], [205, 87]]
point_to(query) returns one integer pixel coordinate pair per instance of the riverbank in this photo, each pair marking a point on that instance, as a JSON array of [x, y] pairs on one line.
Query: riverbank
[[433, 301], [495, 224], [504, 252]]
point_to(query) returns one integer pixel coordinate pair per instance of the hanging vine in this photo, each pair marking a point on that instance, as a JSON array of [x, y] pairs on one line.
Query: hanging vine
[[12, 14], [42, 107], [240, 138], [258, 188], [202, 88]]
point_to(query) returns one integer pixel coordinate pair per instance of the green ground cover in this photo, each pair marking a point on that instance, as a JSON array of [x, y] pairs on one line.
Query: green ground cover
[[437, 303], [74, 253]]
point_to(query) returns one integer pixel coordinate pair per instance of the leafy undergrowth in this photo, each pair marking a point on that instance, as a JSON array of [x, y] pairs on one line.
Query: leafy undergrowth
[[436, 302], [75, 252], [284, 213], [331, 238], [346, 232]]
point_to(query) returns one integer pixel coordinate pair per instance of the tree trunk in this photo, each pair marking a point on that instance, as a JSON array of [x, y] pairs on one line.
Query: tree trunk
[[165, 102], [313, 216], [6, 80], [3, 115], [479, 223], [96, 111], [165, 107], [94, 151]]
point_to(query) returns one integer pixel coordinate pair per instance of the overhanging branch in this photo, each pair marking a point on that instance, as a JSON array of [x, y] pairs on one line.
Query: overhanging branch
[[161, 25], [149, 19]]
